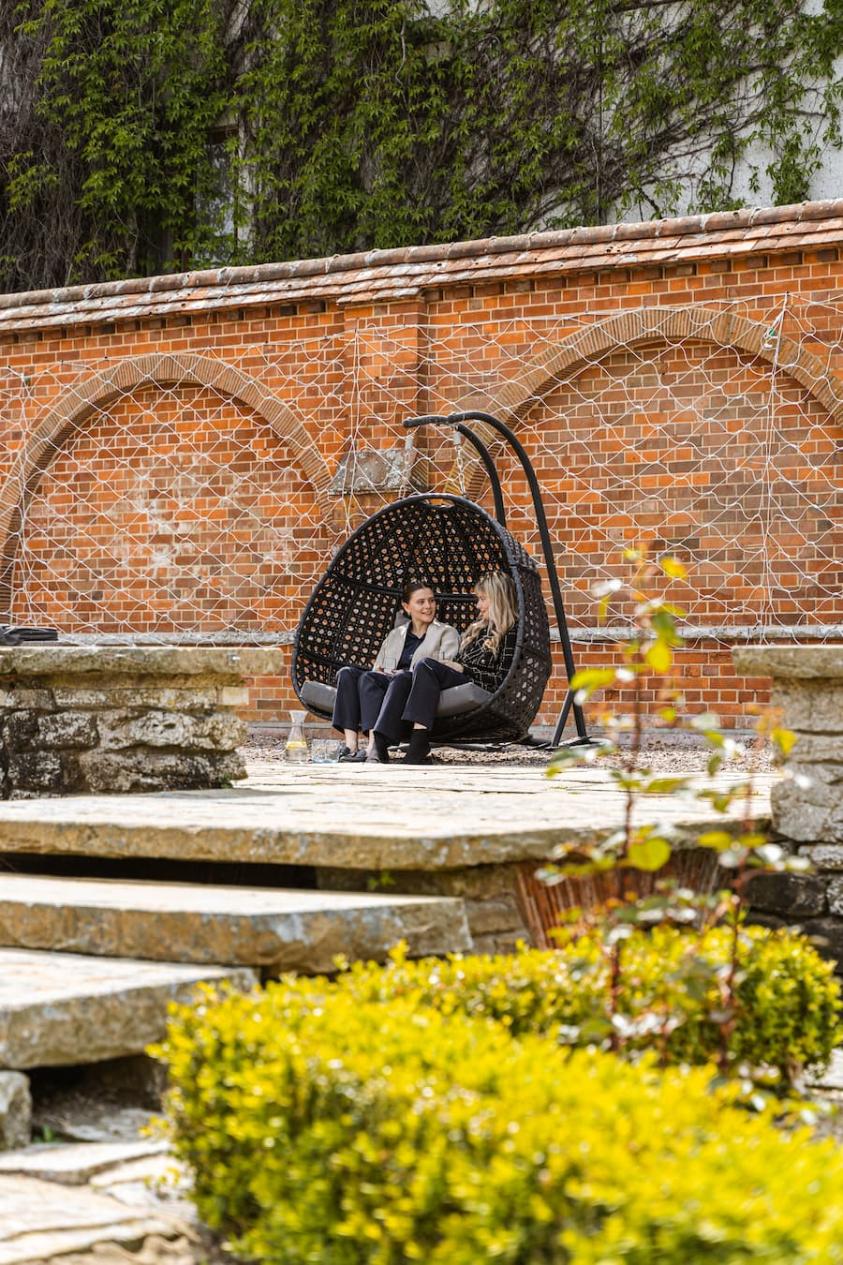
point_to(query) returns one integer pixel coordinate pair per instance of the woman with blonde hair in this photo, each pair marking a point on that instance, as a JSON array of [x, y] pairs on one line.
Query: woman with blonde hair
[[484, 656]]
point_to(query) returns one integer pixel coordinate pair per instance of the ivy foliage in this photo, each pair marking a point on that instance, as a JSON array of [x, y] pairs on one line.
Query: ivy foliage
[[103, 137], [144, 135]]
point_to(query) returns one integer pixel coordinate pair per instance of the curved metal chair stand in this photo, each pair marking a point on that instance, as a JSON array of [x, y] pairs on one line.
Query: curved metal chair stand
[[458, 422], [445, 541]]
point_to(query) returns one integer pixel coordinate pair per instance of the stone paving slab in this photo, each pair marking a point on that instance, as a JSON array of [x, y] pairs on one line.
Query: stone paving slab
[[154, 1250], [75, 1163], [357, 817], [84, 1116], [273, 928], [158, 1183], [42, 1220], [61, 1009]]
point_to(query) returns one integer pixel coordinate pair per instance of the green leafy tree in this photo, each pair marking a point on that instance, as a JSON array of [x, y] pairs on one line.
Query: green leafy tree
[[103, 141], [349, 125]]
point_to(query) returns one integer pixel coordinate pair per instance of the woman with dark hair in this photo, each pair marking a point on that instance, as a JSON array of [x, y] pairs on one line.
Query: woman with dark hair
[[485, 653], [362, 694]]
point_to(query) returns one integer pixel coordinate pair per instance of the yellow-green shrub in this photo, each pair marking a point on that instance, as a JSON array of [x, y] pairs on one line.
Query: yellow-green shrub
[[325, 1130], [788, 999]]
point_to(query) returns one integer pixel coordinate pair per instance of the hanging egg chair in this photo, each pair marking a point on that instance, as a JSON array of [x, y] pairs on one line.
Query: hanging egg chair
[[446, 542]]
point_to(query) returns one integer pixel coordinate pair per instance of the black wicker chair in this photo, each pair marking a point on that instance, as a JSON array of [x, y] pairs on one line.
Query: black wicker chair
[[445, 541]]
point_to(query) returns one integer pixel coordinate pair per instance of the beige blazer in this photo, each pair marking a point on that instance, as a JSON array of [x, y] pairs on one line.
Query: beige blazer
[[441, 641]]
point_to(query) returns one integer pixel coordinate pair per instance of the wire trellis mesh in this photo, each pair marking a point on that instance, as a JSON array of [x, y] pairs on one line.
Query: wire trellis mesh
[[174, 511]]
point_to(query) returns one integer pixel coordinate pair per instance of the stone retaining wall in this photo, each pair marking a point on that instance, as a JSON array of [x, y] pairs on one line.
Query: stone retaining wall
[[111, 719], [807, 806], [495, 911]]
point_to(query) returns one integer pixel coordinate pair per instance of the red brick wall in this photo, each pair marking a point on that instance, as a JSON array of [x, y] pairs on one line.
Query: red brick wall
[[175, 508], [170, 512], [620, 463]]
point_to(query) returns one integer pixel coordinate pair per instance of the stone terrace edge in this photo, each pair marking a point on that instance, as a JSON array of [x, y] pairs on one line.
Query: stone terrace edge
[[405, 273]]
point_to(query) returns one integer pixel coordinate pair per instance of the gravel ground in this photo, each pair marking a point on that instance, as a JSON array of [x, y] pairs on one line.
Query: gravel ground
[[661, 755]]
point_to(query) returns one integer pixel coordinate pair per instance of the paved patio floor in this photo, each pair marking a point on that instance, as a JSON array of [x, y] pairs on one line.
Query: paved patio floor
[[357, 816]]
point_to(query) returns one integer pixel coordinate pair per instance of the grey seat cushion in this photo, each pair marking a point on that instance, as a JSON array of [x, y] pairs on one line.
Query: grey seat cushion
[[453, 702], [319, 696], [461, 698]]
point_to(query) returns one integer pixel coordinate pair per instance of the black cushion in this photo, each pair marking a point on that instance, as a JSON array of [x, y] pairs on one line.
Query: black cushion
[[23, 636], [461, 698]]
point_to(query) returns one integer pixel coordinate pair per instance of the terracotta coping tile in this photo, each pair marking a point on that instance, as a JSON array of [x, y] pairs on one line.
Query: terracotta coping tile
[[405, 272]]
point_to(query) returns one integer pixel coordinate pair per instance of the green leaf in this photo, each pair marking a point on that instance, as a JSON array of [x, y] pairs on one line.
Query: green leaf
[[567, 756], [673, 568], [753, 839], [665, 625], [718, 839], [659, 656], [783, 739], [591, 679], [649, 854], [664, 785]]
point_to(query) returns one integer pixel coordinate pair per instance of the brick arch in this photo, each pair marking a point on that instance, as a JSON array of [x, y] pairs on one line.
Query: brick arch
[[97, 392], [725, 329]]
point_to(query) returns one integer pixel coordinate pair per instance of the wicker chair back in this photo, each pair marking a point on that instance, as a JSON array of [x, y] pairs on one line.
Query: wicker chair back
[[446, 542]]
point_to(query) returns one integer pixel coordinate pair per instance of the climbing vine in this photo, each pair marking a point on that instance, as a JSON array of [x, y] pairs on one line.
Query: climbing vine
[[138, 136]]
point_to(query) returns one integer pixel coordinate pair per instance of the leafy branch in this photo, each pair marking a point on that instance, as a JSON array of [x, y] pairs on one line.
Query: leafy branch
[[742, 850]]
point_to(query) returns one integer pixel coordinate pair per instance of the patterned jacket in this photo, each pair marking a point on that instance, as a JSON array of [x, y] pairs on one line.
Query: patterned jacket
[[486, 669]]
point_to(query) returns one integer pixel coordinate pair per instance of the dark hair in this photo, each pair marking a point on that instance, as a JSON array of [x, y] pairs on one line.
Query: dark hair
[[412, 587]]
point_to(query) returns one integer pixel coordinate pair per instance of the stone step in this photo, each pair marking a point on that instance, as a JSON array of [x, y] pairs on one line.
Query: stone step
[[359, 817], [59, 1009], [277, 929], [40, 1221], [76, 1163]]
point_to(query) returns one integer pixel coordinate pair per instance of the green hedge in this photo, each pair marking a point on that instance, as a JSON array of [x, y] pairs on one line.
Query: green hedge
[[788, 1015], [327, 1130]]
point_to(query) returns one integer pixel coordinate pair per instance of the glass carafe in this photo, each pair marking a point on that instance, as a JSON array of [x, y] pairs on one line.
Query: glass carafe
[[296, 745]]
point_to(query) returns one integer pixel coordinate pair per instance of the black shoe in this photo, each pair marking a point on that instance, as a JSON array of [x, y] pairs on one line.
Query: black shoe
[[419, 748], [380, 750], [347, 756]]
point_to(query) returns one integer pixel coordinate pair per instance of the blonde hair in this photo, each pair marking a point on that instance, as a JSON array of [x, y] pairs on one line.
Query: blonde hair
[[503, 610]]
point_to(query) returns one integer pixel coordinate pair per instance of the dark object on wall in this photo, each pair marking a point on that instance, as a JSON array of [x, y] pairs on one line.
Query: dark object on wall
[[24, 636], [447, 542]]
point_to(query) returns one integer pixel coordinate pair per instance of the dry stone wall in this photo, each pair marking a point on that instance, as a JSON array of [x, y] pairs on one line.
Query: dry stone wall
[[106, 719], [807, 805]]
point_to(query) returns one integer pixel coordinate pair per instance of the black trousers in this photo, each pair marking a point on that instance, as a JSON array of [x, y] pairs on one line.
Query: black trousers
[[365, 699], [429, 679]]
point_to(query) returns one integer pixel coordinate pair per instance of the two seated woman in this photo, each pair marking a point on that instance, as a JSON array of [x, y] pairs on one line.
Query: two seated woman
[[400, 693]]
